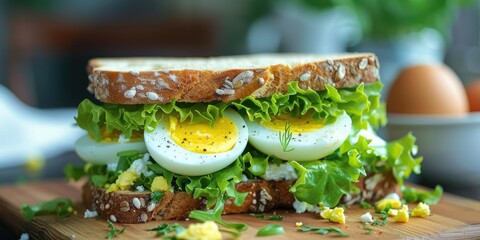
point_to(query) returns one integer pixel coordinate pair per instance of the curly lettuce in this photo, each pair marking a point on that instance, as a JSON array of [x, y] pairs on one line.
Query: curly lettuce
[[361, 103], [326, 180], [209, 186], [128, 118]]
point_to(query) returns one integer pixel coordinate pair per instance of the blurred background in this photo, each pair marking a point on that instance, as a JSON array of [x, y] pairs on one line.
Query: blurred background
[[45, 46]]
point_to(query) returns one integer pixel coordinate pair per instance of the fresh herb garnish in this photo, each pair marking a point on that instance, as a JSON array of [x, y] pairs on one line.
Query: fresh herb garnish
[[365, 205], [113, 232], [323, 231], [384, 217], [62, 207], [165, 229], [367, 228], [216, 216], [268, 217], [156, 197], [270, 229], [415, 195], [285, 138]]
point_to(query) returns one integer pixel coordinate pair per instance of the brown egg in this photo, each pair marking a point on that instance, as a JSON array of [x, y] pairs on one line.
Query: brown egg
[[473, 94], [427, 89]]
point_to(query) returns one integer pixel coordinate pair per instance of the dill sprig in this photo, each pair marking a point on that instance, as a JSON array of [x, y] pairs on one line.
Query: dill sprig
[[285, 138]]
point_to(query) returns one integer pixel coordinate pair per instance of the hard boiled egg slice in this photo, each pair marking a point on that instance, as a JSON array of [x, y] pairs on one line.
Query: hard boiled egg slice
[[311, 140], [197, 149], [105, 152]]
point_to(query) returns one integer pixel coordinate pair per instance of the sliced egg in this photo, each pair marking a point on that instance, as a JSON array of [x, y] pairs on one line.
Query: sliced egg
[[197, 149], [310, 140], [104, 152]]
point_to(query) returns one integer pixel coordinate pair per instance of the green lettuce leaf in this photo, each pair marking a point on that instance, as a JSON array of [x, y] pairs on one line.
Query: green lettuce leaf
[[361, 103], [326, 181], [73, 173], [400, 157], [209, 186], [427, 197], [129, 118]]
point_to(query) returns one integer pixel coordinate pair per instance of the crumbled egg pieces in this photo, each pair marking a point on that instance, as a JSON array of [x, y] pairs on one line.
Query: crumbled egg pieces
[[388, 202], [366, 218], [127, 178], [335, 215], [402, 214], [201, 231], [422, 210], [124, 182], [160, 184], [400, 211]]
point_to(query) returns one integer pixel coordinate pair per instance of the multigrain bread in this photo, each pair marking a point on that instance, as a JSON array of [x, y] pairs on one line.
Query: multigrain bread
[[263, 196], [161, 80]]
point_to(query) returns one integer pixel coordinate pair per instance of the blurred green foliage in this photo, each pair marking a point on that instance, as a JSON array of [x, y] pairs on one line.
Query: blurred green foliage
[[387, 19], [393, 18]]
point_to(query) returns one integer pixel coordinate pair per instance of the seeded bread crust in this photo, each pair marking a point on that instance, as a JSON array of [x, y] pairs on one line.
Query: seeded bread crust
[[159, 82], [263, 196]]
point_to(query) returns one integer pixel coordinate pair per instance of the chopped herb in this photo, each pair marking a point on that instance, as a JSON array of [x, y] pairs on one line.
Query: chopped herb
[[268, 217], [285, 138], [270, 229], [323, 231], [113, 232], [365, 205], [384, 217], [216, 216], [156, 197], [367, 228], [415, 195], [165, 229], [62, 207]]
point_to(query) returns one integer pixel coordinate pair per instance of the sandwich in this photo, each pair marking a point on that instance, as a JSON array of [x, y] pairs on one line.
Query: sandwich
[[241, 134]]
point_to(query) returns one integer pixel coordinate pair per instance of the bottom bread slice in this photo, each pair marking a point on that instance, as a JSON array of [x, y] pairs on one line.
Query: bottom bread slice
[[263, 196]]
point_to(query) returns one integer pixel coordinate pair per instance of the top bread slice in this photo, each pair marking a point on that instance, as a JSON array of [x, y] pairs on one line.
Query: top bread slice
[[161, 80]]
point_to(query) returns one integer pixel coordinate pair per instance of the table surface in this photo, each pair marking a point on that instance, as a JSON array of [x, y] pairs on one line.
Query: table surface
[[452, 218]]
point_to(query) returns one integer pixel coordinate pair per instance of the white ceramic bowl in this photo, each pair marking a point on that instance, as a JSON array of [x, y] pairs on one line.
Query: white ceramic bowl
[[450, 146]]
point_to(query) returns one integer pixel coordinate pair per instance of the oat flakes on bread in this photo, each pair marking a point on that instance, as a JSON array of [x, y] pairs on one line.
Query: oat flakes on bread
[[330, 101], [263, 196], [160, 80]]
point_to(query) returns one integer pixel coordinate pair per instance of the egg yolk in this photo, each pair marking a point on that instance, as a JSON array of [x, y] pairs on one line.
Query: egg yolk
[[114, 135], [298, 124], [202, 138]]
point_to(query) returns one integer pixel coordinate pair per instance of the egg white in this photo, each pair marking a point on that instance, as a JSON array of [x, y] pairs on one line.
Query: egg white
[[104, 152], [306, 146], [179, 160]]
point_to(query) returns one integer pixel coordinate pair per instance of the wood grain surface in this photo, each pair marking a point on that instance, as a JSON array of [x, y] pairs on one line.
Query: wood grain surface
[[453, 218]]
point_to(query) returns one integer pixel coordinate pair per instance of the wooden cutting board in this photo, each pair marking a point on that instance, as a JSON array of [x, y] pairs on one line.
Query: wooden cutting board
[[453, 218]]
